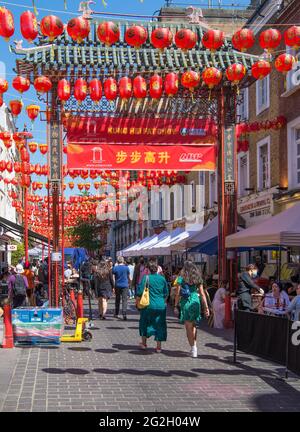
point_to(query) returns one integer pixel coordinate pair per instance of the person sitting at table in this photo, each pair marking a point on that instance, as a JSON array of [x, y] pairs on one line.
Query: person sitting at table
[[68, 272], [277, 297], [293, 286], [294, 306], [246, 284]]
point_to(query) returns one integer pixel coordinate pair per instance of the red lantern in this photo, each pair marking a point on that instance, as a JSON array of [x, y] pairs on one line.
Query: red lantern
[[24, 155], [64, 90], [190, 80], [87, 186], [108, 33], [236, 73], [243, 39], [110, 89], [292, 37], [19, 140], [125, 88], [270, 39], [52, 27], [29, 26], [15, 107], [139, 87], [78, 29], [212, 77], [42, 84], [171, 84], [6, 138], [95, 90], [71, 185], [284, 63], [43, 148], [2, 165], [80, 186], [21, 84], [186, 39], [25, 180], [37, 168], [156, 86], [33, 146], [7, 25], [65, 150], [213, 39], [33, 111], [136, 36], [161, 38], [261, 69], [3, 86], [80, 90]]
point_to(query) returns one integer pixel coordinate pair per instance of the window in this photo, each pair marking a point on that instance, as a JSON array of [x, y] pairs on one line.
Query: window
[[262, 94], [212, 189], [243, 174], [294, 153], [243, 108], [263, 164], [292, 77]]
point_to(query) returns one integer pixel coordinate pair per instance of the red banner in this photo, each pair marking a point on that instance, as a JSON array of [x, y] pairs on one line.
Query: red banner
[[112, 130], [132, 157]]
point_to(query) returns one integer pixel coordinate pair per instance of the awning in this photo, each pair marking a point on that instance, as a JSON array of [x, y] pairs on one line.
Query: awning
[[209, 232], [145, 246], [280, 230], [18, 229], [162, 246], [133, 250], [210, 247]]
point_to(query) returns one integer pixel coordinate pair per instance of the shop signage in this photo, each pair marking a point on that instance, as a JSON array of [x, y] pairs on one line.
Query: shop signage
[[11, 248], [55, 151], [257, 209], [56, 256], [142, 157], [112, 130]]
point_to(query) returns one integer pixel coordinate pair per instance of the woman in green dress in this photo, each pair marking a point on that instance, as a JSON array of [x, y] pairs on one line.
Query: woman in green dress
[[189, 294], [153, 317]]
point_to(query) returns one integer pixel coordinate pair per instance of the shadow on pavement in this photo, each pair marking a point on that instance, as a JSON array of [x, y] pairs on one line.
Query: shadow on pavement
[[106, 351], [79, 349]]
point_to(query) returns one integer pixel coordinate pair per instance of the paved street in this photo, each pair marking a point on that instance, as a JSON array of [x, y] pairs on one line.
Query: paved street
[[111, 374]]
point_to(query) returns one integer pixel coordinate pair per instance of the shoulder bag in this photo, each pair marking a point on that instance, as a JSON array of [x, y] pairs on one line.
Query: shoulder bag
[[144, 301]]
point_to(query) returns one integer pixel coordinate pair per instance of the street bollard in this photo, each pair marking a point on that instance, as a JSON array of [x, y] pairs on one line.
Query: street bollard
[[228, 322], [8, 338], [72, 296], [79, 305]]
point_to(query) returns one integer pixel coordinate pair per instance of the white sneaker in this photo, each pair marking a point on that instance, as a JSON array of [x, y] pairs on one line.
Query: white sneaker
[[194, 352]]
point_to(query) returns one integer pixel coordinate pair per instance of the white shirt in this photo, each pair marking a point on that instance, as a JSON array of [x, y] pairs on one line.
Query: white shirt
[[68, 273]]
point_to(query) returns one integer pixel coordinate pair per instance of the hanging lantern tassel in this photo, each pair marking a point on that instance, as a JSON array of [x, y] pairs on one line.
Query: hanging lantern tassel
[[34, 7]]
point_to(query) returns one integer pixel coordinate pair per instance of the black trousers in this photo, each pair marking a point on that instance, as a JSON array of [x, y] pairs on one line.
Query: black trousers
[[244, 301], [19, 301], [121, 293]]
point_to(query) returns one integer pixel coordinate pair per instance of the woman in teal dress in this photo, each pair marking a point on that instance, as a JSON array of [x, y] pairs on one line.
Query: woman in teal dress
[[153, 318], [189, 294]]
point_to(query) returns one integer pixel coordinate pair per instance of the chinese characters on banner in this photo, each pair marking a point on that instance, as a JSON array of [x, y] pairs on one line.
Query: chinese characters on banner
[[55, 151], [229, 174], [142, 157], [110, 130]]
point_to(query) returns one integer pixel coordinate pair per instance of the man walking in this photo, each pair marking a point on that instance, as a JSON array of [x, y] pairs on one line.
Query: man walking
[[131, 272], [122, 281]]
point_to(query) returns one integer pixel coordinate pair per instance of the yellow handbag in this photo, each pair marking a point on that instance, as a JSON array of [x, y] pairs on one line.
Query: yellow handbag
[[144, 301]]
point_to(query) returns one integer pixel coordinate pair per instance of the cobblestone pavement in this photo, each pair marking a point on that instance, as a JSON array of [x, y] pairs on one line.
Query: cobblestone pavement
[[111, 374]]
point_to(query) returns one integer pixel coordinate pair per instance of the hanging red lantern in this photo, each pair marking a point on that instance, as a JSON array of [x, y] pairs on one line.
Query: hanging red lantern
[[243, 39], [64, 90], [33, 111], [33, 146], [7, 25], [42, 84], [190, 80], [51, 27], [136, 36], [292, 37], [24, 155], [284, 63], [87, 186], [26, 181], [15, 107], [139, 87], [108, 33], [37, 168], [110, 89], [213, 39], [125, 88], [261, 69], [156, 86], [171, 84], [236, 73], [80, 186], [71, 185], [2, 165], [95, 90], [212, 77], [270, 39], [78, 29], [161, 38], [19, 140], [43, 148], [29, 26], [21, 84], [3, 86], [80, 90], [1, 100], [6, 138], [185, 39], [9, 167]]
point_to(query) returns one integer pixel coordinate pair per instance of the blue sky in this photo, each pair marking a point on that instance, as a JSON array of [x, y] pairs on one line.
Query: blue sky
[[145, 7]]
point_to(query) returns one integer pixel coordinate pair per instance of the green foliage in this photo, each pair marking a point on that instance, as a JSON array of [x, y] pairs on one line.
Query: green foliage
[[87, 233], [17, 255]]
